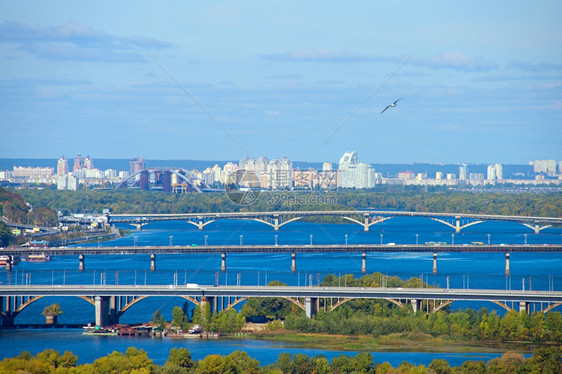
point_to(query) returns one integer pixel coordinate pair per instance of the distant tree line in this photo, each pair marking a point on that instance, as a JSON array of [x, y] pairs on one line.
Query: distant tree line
[[408, 199], [15, 209], [545, 360]]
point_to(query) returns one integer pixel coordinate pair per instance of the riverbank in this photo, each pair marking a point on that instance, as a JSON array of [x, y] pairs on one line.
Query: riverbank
[[412, 342]]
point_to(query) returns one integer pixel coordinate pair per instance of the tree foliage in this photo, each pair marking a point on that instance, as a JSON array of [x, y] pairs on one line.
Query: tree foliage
[[399, 198], [134, 361]]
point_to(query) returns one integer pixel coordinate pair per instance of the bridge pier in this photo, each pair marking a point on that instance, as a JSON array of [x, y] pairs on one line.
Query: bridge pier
[[223, 261], [457, 224], [293, 262], [364, 262], [366, 223], [6, 315], [9, 263], [276, 224], [207, 306], [152, 262], [102, 310], [310, 304], [138, 226], [113, 317], [416, 305], [434, 262], [507, 271], [81, 266], [524, 307]]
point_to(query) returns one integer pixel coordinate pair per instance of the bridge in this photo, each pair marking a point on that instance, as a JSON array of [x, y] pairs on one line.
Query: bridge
[[111, 301], [365, 218], [43, 230], [177, 180], [293, 249]]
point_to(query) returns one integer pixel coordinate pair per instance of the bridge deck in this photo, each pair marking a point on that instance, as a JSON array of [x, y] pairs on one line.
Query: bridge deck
[[389, 213], [317, 248], [274, 291]]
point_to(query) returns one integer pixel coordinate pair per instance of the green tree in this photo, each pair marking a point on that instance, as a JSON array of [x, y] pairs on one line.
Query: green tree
[[440, 366], [284, 362], [179, 360], [179, 319], [158, 319], [5, 235]]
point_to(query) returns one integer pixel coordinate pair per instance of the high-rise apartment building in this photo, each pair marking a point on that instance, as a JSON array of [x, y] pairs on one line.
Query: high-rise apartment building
[[354, 175], [491, 173], [88, 163], [62, 166], [78, 162], [499, 171], [136, 164], [463, 172]]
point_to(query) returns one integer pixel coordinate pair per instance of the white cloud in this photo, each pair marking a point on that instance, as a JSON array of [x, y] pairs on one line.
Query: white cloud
[[325, 55], [455, 60], [76, 42]]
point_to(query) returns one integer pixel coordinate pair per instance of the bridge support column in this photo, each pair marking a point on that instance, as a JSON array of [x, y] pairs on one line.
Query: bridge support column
[[113, 317], [138, 226], [537, 229], [310, 306], [81, 266], [524, 307], [364, 262], [207, 303], [276, 224], [507, 271], [434, 262], [457, 225], [152, 262], [200, 224], [416, 305], [102, 310], [293, 262], [9, 263], [6, 317], [223, 261], [366, 224]]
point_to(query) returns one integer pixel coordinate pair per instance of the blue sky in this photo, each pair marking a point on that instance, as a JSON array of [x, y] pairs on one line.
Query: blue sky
[[481, 81]]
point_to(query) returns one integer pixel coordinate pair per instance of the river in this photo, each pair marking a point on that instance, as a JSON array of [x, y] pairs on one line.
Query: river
[[540, 271]]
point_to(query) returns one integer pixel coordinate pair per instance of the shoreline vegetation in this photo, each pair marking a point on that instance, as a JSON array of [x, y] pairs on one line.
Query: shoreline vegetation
[[410, 342], [544, 360]]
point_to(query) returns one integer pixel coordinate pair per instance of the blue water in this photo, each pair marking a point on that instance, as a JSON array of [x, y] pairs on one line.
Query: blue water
[[88, 348], [541, 271]]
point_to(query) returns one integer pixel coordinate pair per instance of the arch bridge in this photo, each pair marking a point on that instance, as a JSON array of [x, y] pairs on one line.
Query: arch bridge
[[365, 218], [177, 180], [111, 301]]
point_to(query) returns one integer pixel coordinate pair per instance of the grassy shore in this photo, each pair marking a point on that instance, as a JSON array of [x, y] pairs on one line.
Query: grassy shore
[[415, 342]]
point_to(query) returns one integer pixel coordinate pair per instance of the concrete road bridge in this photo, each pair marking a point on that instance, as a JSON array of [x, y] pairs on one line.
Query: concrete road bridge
[[111, 301], [223, 250], [365, 218]]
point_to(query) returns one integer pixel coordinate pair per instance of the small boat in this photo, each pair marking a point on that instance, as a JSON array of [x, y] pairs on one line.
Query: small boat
[[4, 259], [196, 329], [37, 258], [100, 331]]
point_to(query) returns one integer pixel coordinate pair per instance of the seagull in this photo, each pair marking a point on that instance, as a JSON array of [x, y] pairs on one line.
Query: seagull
[[391, 105]]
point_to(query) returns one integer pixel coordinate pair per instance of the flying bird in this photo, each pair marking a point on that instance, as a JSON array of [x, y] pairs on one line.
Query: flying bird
[[391, 105]]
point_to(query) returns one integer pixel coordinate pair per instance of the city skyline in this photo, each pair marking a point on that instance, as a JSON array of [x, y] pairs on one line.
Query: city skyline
[[228, 80]]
